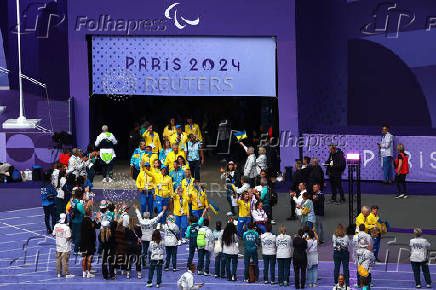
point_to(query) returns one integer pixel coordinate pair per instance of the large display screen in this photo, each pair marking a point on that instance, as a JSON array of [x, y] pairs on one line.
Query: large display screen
[[185, 66]]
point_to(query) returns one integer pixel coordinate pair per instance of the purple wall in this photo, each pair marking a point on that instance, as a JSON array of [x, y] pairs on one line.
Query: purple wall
[[221, 18]]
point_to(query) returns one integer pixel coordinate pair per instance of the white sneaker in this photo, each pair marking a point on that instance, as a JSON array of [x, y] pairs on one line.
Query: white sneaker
[[104, 180], [149, 285], [273, 222], [229, 213], [70, 276], [111, 180], [139, 275], [84, 274], [93, 271], [89, 275], [59, 275], [128, 275], [179, 243]]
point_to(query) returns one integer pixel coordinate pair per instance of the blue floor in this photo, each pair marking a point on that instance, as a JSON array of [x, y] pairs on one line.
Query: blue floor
[[27, 260]]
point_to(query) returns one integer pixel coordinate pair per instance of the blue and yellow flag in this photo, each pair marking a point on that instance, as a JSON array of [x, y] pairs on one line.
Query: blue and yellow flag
[[240, 135], [214, 207]]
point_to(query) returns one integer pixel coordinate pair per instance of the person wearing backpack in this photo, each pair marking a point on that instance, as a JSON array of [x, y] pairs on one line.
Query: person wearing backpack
[[192, 233], [401, 171], [251, 240], [77, 212], [171, 239], [205, 244], [220, 263], [147, 228]]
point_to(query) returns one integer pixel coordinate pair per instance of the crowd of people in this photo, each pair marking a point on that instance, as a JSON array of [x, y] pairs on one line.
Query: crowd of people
[[168, 179]]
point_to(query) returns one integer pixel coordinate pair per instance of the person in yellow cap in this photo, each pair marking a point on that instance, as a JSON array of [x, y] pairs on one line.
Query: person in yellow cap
[[192, 128], [172, 156], [170, 129], [146, 185], [151, 138], [179, 138], [181, 211], [198, 199], [163, 190]]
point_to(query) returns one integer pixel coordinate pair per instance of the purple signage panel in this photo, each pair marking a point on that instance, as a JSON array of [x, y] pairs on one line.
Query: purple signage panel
[[420, 149], [184, 66]]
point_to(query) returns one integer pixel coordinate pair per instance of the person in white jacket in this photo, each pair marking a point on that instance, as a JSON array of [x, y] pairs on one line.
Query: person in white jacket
[[147, 228], [419, 256], [365, 258], [261, 163], [76, 165], [186, 281], [205, 250], [284, 256], [156, 251], [220, 263], [298, 199], [171, 239], [106, 142], [230, 250], [269, 250], [250, 164]]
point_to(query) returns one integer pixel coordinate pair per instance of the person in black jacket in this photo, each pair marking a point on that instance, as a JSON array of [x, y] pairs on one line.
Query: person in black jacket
[[316, 175], [335, 167], [297, 178], [300, 259], [306, 169], [107, 242], [318, 207], [134, 246], [87, 242]]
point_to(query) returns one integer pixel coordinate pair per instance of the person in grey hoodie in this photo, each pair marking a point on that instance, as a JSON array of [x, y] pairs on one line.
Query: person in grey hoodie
[[419, 258], [156, 251], [147, 228], [284, 256], [365, 258], [171, 231], [268, 241]]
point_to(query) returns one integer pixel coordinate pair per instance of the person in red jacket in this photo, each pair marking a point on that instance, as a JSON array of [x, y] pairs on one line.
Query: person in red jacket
[[401, 170], [65, 157]]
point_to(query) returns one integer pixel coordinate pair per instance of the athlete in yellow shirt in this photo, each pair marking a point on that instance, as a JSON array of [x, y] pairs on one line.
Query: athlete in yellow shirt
[[198, 199], [374, 228], [163, 190], [244, 212], [148, 157], [362, 218], [170, 129], [152, 139], [179, 138], [191, 128], [146, 185], [172, 156], [181, 211]]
